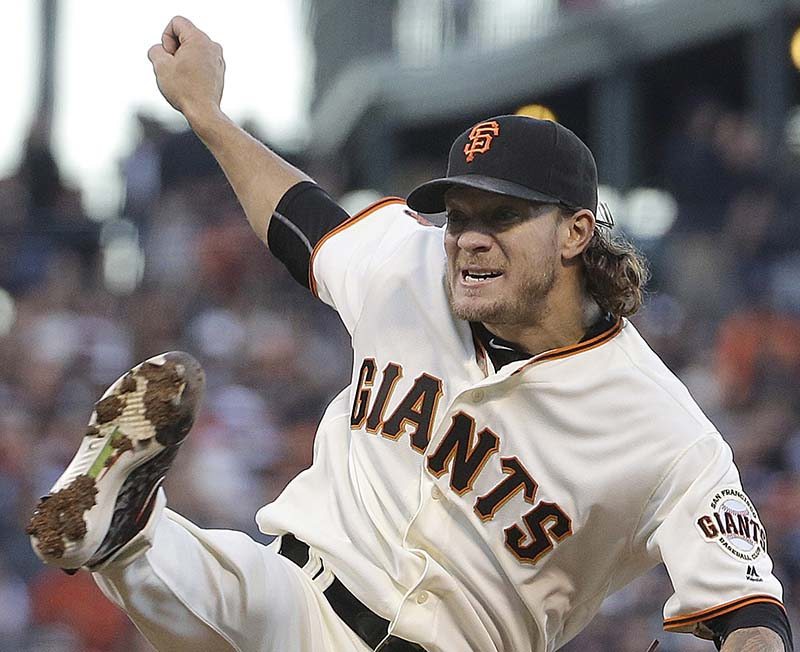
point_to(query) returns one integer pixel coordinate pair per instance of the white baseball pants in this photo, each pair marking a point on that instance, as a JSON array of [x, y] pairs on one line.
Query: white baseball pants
[[207, 590]]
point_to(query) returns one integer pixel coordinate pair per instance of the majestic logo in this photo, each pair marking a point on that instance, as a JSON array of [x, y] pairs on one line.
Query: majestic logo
[[480, 139], [752, 574], [732, 522]]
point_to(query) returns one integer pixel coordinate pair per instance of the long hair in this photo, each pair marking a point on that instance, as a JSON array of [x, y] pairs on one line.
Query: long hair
[[615, 273]]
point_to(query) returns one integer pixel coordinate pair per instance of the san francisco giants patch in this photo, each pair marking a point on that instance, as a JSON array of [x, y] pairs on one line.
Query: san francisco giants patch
[[732, 522]]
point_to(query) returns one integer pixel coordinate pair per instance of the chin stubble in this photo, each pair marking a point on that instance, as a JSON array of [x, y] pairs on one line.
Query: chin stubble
[[523, 307]]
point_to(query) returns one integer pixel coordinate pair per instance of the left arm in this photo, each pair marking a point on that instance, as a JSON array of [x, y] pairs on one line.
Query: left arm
[[753, 639]]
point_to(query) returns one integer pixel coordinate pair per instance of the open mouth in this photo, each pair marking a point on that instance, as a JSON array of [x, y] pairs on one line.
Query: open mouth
[[473, 276]]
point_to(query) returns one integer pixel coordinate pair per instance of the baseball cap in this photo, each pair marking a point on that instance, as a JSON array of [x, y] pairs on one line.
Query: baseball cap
[[516, 156]]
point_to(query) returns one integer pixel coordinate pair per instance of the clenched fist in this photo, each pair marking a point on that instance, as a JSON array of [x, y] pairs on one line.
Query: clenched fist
[[189, 68]]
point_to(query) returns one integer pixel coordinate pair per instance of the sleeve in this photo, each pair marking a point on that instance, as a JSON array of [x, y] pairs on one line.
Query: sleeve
[[345, 262], [760, 614], [304, 215], [706, 530]]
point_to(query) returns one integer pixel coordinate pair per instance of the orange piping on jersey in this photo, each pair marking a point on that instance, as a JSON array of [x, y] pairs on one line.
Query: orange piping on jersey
[[312, 283], [679, 622], [580, 347]]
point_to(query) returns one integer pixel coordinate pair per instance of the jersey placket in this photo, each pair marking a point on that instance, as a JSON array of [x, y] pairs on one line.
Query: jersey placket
[[417, 610]]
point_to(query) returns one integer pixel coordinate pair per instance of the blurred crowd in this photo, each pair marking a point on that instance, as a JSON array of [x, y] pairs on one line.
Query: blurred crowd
[[723, 311]]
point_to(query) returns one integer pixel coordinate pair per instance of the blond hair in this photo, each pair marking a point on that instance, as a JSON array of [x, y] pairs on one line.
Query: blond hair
[[615, 273]]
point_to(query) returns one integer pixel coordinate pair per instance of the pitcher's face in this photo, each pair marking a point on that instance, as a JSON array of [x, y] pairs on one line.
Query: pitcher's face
[[502, 256]]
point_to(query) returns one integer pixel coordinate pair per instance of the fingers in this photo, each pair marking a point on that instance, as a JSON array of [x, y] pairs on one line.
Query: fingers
[[176, 32], [157, 53], [169, 41], [181, 24]]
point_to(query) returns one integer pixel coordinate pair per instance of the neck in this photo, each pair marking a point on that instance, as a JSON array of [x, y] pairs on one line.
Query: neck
[[560, 321]]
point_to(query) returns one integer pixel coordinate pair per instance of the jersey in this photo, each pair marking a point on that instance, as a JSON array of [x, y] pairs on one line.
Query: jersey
[[493, 510]]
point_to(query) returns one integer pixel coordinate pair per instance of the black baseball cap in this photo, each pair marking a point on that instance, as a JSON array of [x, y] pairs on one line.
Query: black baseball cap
[[516, 156]]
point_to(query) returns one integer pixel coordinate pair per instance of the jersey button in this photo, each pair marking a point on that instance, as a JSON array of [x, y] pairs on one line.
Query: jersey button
[[436, 493], [422, 597], [477, 395]]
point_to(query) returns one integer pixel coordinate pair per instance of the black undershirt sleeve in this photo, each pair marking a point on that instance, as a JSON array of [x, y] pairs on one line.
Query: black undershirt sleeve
[[760, 614], [302, 218]]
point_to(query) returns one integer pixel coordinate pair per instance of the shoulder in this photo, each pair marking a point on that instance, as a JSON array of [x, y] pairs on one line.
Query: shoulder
[[388, 217], [657, 388], [625, 387], [379, 247]]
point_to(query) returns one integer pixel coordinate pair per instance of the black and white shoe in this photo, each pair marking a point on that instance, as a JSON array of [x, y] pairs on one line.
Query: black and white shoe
[[106, 494]]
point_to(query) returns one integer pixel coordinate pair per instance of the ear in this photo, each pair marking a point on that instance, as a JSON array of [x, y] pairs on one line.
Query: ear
[[578, 231]]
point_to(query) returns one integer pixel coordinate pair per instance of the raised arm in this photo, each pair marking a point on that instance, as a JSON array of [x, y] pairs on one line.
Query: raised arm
[[190, 73], [753, 639]]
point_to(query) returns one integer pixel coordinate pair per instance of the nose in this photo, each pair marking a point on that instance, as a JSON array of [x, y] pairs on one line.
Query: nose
[[474, 241]]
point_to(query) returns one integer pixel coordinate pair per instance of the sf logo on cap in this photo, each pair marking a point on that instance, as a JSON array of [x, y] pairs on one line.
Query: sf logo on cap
[[480, 138]]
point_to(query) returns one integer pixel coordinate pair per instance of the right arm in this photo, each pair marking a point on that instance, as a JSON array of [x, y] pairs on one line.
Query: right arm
[[189, 71], [753, 639]]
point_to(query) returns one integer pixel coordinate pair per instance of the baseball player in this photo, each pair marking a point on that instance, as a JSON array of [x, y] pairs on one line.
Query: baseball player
[[508, 454]]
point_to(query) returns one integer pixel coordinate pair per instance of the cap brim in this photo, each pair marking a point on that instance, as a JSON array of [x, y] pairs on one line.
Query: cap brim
[[429, 197]]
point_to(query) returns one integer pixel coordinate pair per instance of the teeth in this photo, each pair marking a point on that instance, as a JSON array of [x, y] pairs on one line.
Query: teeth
[[481, 276]]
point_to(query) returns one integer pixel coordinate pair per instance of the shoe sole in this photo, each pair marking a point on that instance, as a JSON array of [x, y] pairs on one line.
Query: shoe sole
[[132, 437]]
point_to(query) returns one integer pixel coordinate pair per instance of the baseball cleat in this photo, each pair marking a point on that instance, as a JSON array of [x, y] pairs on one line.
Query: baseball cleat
[[106, 494]]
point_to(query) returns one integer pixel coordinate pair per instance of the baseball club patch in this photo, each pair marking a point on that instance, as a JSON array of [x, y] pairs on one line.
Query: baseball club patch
[[731, 521]]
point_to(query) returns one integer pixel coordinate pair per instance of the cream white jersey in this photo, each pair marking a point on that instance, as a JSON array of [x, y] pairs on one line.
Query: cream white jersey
[[494, 510]]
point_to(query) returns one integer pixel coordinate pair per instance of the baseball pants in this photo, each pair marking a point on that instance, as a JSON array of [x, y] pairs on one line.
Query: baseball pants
[[206, 590]]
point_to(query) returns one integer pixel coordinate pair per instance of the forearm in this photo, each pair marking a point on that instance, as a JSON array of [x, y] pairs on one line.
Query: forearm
[[258, 176], [753, 639], [190, 73]]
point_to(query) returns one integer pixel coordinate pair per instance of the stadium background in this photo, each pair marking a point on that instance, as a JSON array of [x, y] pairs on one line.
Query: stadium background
[[693, 111]]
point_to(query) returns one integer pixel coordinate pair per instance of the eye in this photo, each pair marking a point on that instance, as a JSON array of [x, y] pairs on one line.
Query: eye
[[505, 216], [456, 220]]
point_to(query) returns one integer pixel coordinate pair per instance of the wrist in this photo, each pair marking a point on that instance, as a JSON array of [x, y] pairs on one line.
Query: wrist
[[205, 121]]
